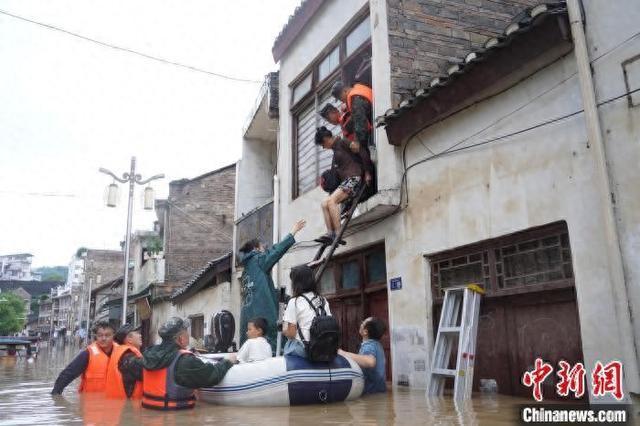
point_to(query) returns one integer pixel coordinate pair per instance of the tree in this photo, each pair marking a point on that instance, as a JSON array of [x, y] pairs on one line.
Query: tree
[[11, 313], [53, 276]]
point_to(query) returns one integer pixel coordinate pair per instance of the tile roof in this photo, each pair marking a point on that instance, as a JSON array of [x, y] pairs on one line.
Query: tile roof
[[300, 17], [195, 283], [524, 23]]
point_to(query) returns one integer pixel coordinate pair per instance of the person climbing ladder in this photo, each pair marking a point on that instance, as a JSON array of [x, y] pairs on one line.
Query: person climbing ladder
[[350, 171]]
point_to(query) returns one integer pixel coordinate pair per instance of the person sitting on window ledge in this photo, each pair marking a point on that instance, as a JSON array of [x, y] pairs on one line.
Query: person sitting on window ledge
[[350, 171]]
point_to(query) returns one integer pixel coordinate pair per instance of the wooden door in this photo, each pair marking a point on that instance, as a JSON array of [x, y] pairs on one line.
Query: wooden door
[[378, 306]]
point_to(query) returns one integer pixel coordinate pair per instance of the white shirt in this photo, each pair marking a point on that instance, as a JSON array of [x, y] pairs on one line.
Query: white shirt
[[255, 349], [299, 312]]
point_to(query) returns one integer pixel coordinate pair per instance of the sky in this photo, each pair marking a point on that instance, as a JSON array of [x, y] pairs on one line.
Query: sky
[[69, 107]]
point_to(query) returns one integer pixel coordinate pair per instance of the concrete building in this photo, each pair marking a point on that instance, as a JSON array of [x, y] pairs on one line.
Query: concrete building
[[195, 225], [92, 269], [488, 171], [33, 290], [17, 267]]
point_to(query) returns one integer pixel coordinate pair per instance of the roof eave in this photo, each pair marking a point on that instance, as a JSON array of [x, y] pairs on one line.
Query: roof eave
[[498, 68]]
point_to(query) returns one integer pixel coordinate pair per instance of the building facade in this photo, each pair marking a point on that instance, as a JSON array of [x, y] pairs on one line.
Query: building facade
[[487, 172], [17, 267]]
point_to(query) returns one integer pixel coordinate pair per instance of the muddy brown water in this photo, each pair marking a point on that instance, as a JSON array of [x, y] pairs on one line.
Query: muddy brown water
[[25, 400]]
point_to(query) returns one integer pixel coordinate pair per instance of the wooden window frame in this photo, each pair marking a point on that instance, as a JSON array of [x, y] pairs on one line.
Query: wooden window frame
[[318, 87], [191, 319], [365, 286], [489, 246]]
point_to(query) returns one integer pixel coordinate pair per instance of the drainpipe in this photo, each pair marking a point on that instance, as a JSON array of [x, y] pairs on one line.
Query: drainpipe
[[276, 222], [603, 181]]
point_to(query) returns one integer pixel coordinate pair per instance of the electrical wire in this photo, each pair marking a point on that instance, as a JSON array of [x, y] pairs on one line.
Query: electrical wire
[[127, 50], [452, 150]]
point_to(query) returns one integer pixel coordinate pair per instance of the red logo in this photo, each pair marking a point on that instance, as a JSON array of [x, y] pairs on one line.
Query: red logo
[[536, 377], [607, 379], [571, 379]]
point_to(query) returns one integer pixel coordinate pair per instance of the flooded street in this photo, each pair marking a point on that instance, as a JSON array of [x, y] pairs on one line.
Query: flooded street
[[25, 400]]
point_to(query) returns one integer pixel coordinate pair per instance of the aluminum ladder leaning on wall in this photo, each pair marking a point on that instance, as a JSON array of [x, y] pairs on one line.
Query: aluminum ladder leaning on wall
[[464, 332]]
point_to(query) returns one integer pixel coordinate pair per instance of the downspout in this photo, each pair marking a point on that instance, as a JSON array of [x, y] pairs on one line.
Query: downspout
[[276, 222], [604, 183]]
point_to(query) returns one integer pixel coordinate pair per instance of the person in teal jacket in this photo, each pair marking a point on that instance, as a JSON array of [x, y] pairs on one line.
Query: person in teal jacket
[[259, 295]]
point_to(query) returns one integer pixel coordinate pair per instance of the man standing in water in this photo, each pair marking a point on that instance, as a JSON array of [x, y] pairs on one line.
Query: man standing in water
[[259, 295], [91, 363], [171, 373]]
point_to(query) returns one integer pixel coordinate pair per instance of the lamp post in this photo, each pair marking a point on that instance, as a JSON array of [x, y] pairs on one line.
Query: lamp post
[[132, 178]]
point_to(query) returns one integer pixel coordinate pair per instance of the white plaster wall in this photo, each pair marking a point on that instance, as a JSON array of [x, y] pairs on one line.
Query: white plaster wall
[[206, 302], [535, 178], [610, 30], [255, 175]]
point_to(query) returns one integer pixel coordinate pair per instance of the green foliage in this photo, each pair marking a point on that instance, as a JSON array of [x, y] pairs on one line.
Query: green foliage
[[53, 273], [154, 245], [11, 314], [53, 277]]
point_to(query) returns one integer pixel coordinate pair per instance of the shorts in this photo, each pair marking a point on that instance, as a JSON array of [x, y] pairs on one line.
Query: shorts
[[295, 347], [350, 185]]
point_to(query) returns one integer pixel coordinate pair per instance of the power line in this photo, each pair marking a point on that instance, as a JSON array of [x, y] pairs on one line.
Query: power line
[[127, 50]]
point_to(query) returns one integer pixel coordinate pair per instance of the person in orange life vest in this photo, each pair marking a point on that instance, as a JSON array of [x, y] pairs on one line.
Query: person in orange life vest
[[343, 119], [359, 101], [124, 377], [171, 373], [91, 363]]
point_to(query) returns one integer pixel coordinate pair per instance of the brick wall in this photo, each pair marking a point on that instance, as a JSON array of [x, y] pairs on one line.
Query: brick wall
[[108, 264], [199, 223], [427, 35]]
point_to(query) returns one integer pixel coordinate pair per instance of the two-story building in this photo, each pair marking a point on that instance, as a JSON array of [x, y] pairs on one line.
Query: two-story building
[[497, 163]]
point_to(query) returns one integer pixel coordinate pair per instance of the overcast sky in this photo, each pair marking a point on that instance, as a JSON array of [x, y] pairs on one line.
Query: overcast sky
[[68, 107]]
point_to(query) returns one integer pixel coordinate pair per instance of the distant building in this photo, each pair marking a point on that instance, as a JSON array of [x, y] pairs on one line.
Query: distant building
[[195, 224], [33, 290], [17, 267]]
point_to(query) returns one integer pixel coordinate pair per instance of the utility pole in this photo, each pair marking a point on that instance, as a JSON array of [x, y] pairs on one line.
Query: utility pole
[[132, 178]]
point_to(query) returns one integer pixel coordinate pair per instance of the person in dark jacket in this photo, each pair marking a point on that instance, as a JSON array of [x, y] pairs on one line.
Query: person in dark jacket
[[350, 170], [99, 351], [189, 372], [259, 294]]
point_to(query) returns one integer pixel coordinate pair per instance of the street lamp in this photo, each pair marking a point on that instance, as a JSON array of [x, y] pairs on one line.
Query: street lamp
[[132, 178]]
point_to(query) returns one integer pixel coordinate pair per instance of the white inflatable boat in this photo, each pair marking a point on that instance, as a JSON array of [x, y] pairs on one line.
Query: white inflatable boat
[[288, 380]]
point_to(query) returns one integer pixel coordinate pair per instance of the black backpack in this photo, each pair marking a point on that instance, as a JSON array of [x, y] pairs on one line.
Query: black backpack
[[324, 334], [329, 180]]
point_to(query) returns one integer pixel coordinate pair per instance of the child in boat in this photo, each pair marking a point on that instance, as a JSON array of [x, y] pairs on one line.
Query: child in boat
[[371, 355], [298, 312], [256, 348]]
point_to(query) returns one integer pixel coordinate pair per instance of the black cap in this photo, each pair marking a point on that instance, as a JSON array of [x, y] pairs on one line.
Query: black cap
[[123, 331], [172, 327], [336, 89]]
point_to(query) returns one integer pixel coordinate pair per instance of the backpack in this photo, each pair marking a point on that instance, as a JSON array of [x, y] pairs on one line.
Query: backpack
[[329, 180], [324, 334]]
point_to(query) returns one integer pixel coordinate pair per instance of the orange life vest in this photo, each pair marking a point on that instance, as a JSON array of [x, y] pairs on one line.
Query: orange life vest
[[357, 90], [94, 377], [115, 385], [160, 390]]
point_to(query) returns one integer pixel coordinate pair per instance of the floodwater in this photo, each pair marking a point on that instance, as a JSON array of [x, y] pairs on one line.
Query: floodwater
[[25, 400]]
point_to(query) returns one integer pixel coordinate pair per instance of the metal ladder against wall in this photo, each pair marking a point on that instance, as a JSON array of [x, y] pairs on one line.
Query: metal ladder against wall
[[338, 239], [464, 332]]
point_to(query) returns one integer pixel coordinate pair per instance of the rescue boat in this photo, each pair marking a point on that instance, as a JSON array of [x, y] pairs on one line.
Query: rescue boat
[[288, 380]]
